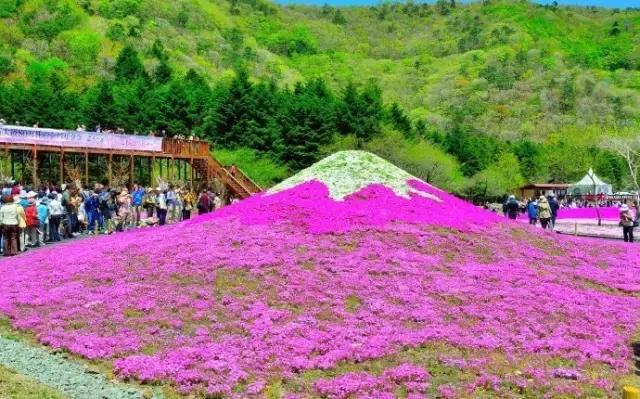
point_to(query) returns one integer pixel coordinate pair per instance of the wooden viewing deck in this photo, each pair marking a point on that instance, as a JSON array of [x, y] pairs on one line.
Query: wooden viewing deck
[[191, 159]]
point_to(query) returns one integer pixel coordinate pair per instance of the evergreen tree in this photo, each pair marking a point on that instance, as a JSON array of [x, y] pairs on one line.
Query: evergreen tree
[[128, 65], [97, 106], [361, 114], [163, 73], [398, 119], [307, 120]]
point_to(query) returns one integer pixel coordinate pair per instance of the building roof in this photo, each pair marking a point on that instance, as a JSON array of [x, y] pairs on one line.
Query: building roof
[[548, 186], [590, 179]]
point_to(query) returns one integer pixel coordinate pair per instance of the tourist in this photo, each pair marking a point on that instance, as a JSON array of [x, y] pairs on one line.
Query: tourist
[[74, 211], [22, 237], [125, 210], [15, 190], [92, 209], [150, 202], [56, 212], [32, 221], [627, 223], [179, 206], [187, 204], [107, 208], [43, 218], [511, 207], [137, 197], [555, 206], [217, 202], [161, 206], [171, 204], [9, 222], [544, 211], [532, 210], [203, 203]]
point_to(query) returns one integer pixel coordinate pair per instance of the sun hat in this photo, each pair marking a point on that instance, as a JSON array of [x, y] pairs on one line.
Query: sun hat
[[624, 208], [23, 194], [31, 194]]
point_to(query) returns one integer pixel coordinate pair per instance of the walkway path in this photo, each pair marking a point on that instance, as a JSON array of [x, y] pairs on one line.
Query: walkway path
[[67, 376]]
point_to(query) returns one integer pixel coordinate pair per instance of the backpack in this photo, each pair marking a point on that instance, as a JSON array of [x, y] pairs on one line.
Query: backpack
[[31, 214]]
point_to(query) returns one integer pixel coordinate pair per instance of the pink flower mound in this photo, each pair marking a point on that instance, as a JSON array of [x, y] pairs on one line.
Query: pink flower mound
[[282, 284]]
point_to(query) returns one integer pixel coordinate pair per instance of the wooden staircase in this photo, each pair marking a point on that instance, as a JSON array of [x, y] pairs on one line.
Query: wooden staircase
[[208, 168], [237, 182]]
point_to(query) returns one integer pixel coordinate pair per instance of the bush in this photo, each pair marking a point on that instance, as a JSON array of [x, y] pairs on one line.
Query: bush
[[119, 8], [7, 8]]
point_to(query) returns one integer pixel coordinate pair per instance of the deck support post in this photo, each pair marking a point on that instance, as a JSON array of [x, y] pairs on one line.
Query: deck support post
[[7, 161], [151, 173], [110, 168], [34, 172], [61, 166], [86, 169], [131, 160]]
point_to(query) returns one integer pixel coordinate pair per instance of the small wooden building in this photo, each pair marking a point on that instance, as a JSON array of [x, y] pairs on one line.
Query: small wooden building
[[534, 190]]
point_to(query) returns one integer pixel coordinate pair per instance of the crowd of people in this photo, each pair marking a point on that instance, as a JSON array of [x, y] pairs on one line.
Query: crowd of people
[[30, 218], [543, 210]]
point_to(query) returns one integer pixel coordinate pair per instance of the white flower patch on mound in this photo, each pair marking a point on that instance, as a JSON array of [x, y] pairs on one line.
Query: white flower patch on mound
[[347, 172]]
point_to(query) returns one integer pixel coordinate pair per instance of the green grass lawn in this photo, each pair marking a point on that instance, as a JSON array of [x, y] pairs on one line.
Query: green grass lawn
[[16, 386]]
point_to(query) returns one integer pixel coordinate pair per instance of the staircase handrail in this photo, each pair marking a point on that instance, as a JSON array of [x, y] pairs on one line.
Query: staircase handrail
[[247, 179], [230, 177]]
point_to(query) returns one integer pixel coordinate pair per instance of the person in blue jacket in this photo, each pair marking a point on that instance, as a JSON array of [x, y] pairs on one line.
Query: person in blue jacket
[[92, 208], [532, 210]]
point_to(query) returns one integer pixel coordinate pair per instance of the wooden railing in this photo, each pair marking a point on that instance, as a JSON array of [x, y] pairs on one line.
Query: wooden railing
[[186, 148], [243, 178]]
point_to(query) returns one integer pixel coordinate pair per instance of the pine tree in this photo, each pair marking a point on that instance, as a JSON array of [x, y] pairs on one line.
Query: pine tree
[[128, 65]]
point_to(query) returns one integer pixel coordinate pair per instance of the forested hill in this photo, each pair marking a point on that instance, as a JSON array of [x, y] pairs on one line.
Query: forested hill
[[497, 92]]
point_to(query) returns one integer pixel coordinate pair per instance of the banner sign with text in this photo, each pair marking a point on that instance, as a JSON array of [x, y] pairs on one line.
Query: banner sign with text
[[69, 138]]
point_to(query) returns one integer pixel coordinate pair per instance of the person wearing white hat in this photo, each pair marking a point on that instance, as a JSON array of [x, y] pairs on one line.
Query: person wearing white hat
[[627, 223], [161, 206]]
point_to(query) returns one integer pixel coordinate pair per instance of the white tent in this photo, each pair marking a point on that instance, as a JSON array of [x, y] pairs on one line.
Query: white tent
[[586, 185]]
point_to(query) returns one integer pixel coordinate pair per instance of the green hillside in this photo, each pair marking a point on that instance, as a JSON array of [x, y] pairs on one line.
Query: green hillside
[[485, 88]]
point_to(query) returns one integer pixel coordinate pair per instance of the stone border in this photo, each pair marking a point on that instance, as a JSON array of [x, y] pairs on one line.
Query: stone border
[[69, 377]]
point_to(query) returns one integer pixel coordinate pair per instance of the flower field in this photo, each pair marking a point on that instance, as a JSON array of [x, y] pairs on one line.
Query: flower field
[[394, 290]]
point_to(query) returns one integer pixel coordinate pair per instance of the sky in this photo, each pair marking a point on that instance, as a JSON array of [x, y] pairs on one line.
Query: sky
[[600, 3]]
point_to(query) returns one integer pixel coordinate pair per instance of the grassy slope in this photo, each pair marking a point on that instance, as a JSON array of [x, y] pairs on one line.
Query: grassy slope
[[13, 385]]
